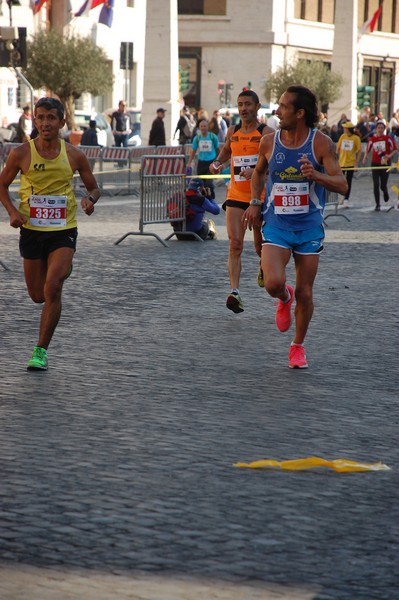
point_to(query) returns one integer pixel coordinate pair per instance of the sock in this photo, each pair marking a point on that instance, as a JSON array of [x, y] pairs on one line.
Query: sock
[[289, 296], [235, 291], [294, 344]]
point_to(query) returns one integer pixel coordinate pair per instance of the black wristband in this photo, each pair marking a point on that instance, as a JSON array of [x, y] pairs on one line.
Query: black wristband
[[91, 198]]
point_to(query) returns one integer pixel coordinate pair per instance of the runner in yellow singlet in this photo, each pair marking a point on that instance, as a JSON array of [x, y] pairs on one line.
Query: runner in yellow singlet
[[47, 214], [241, 147]]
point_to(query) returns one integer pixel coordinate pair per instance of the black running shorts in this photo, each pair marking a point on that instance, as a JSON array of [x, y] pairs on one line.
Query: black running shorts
[[38, 244]]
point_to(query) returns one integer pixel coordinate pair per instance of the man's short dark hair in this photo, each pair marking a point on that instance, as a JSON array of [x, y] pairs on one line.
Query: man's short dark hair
[[305, 99], [249, 94], [49, 103]]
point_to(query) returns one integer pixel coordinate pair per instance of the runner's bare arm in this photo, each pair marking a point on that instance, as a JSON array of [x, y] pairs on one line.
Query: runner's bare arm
[[326, 153], [253, 215], [7, 176], [259, 175], [223, 155]]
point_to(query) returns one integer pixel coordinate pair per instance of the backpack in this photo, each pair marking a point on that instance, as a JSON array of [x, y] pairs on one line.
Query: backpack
[[189, 127], [174, 211]]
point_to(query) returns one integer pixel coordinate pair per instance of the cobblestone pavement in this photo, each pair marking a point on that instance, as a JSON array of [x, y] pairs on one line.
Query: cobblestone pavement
[[116, 464]]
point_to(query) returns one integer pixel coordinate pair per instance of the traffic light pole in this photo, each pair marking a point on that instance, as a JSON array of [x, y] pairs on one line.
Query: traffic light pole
[[26, 82]]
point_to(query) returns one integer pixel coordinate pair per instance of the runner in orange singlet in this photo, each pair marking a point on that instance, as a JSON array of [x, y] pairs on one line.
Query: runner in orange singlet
[[241, 147]]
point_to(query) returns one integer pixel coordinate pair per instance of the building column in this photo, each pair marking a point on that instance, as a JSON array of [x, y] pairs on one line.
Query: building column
[[161, 67], [344, 59]]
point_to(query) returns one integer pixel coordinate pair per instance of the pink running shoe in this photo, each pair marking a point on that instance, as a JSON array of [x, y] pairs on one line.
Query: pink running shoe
[[297, 358], [283, 312]]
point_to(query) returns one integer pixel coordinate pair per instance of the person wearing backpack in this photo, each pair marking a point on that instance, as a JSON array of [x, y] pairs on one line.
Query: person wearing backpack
[[185, 126], [198, 201], [207, 145]]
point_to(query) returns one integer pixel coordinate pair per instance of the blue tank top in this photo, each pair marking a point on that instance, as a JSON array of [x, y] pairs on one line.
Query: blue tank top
[[294, 202]]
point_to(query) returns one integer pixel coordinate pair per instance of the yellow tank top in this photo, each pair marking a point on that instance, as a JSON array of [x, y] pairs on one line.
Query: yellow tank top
[[48, 178], [244, 153]]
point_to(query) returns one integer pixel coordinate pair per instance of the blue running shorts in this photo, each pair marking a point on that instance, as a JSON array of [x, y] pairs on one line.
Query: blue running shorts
[[307, 241]]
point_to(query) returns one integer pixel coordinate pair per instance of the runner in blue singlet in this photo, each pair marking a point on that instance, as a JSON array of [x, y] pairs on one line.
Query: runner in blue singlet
[[301, 163]]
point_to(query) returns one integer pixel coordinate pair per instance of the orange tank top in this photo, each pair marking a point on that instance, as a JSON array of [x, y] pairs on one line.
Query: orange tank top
[[244, 154]]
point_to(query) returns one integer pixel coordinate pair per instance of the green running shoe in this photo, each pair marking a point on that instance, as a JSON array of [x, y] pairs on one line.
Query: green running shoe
[[39, 360], [259, 279], [234, 303], [69, 271]]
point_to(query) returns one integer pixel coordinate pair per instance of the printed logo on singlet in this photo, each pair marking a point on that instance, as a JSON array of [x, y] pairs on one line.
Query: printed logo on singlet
[[39, 167], [289, 173], [280, 157]]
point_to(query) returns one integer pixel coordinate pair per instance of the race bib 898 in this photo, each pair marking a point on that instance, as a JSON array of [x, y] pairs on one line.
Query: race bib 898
[[291, 198]]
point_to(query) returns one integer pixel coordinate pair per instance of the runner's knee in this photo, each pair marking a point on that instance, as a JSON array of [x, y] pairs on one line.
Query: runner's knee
[[236, 245]]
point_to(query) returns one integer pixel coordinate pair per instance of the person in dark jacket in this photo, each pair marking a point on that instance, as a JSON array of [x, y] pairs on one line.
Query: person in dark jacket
[[89, 137], [157, 133]]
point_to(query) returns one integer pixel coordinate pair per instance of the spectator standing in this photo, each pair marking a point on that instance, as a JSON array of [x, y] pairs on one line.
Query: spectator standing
[[120, 123], [89, 137], [363, 131], [334, 133], [273, 121], [207, 145], [394, 124], [157, 132], [340, 129], [185, 126], [227, 118], [380, 117], [349, 148], [217, 125], [24, 128], [383, 147]]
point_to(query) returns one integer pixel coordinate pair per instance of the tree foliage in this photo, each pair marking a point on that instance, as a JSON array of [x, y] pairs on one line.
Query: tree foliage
[[68, 67], [315, 75]]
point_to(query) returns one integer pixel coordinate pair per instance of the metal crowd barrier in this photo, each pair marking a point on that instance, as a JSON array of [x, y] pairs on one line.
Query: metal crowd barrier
[[332, 201], [163, 184]]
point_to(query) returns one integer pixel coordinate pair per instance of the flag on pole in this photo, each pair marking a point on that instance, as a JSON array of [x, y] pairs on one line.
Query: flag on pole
[[37, 4], [84, 9], [107, 13], [371, 23], [87, 6]]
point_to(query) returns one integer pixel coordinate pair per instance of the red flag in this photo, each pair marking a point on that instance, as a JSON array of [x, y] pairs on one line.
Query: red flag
[[87, 6], [375, 18], [370, 24], [37, 6]]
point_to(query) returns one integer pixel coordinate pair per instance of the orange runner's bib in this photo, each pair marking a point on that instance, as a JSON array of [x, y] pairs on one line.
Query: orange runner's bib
[[291, 198], [48, 211]]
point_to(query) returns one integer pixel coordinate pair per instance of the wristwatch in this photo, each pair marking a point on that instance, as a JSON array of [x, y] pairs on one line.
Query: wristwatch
[[91, 198], [255, 202]]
